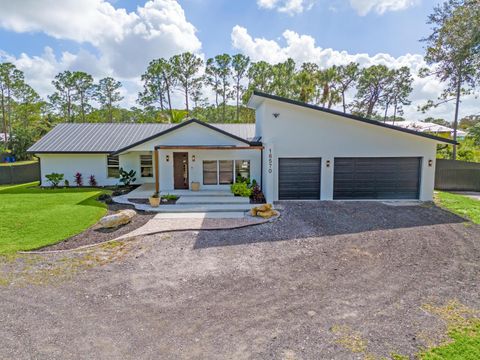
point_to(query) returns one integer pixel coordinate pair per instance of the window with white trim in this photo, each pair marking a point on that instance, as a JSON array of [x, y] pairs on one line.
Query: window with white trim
[[225, 172], [146, 166], [113, 166]]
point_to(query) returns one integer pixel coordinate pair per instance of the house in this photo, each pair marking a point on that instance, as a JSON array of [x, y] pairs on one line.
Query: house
[[295, 151], [430, 128]]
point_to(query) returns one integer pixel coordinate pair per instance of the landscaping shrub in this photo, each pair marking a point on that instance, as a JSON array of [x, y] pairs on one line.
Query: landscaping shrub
[[127, 177], [92, 181], [66, 183], [78, 179], [241, 189], [257, 196], [54, 178]]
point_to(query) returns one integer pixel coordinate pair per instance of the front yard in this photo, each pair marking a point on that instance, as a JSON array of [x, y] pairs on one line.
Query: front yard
[[336, 280], [459, 204], [32, 217]]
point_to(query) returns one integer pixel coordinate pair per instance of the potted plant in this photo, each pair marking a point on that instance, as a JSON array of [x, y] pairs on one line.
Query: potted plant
[[154, 199]]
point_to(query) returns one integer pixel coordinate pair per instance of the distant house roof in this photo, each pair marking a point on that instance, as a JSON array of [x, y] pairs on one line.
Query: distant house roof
[[428, 127], [113, 137], [258, 95]]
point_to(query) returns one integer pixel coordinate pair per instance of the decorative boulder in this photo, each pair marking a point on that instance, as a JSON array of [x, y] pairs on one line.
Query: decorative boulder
[[265, 211], [122, 217]]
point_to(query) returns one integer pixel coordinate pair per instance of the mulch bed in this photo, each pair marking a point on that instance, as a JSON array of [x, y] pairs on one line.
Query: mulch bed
[[146, 201], [95, 236]]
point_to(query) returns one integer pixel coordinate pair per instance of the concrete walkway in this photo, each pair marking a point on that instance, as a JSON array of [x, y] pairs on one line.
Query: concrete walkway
[[195, 221], [471, 194]]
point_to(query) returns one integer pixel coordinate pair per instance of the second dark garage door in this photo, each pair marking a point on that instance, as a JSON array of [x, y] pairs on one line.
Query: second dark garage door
[[299, 178], [376, 178]]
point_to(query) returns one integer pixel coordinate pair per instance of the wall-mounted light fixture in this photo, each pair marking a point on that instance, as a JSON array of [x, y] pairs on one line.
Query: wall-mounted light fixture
[[430, 162], [167, 158], [276, 115], [327, 163], [193, 158]]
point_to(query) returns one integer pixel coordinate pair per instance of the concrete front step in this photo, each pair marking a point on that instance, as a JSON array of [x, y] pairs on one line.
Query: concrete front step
[[201, 193], [202, 200], [197, 208]]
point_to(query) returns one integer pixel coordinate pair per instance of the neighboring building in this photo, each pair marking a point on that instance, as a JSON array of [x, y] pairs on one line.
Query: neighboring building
[[430, 128], [294, 151]]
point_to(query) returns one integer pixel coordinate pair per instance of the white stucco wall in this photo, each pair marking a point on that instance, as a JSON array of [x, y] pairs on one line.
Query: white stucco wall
[[192, 134], [303, 132], [70, 164]]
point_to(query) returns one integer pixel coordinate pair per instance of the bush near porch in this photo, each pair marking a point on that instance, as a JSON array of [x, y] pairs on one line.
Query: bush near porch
[[33, 217]]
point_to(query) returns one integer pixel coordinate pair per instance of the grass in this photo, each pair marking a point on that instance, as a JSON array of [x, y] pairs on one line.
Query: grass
[[463, 327], [32, 217], [16, 163], [460, 205]]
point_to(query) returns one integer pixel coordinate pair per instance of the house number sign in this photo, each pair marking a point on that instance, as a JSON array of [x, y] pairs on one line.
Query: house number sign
[[270, 161]]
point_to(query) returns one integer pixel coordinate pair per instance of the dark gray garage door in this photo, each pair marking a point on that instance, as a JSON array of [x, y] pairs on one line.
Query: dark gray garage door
[[376, 178], [299, 178]]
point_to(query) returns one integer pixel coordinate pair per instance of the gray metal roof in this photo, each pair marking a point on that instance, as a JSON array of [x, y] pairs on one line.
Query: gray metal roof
[[110, 137]]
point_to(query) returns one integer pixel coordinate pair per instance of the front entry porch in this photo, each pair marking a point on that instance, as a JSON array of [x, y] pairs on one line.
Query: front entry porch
[[222, 203]]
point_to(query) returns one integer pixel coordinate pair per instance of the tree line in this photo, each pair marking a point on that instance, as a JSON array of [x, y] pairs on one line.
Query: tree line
[[216, 90]]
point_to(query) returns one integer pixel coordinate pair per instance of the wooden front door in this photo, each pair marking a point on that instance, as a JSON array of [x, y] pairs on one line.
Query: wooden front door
[[180, 170]]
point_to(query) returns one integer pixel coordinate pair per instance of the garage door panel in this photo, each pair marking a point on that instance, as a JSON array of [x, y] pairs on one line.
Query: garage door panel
[[299, 178], [376, 178]]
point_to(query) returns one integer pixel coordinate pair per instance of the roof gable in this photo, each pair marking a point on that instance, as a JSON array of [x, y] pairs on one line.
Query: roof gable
[[252, 102]]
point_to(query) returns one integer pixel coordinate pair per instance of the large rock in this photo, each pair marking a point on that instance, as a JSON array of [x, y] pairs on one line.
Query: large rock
[[265, 211], [122, 217]]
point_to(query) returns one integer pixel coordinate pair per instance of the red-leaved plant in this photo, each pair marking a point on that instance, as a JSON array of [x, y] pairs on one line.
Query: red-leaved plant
[[78, 179], [92, 181]]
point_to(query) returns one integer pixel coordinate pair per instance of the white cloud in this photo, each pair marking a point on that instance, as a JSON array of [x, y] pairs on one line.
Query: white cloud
[[290, 7], [126, 41], [363, 7], [302, 48]]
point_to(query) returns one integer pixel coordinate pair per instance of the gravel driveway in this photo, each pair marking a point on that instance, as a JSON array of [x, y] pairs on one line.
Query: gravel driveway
[[327, 280]]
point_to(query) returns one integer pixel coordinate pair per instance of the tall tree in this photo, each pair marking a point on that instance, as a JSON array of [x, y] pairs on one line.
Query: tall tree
[[212, 78], [371, 88], [63, 99], [347, 78], [158, 84], [107, 94], [283, 78], [398, 91], [328, 87], [224, 71], [240, 64], [83, 84], [306, 82], [453, 52], [185, 68], [260, 77], [11, 80]]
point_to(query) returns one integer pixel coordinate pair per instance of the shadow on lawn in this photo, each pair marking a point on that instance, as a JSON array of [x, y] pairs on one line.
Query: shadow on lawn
[[330, 218]]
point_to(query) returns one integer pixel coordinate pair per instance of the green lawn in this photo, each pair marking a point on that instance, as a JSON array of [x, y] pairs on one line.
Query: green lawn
[[32, 217], [465, 345], [19, 163], [460, 204]]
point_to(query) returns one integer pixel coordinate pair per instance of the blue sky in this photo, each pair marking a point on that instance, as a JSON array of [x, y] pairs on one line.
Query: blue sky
[[334, 24], [119, 37]]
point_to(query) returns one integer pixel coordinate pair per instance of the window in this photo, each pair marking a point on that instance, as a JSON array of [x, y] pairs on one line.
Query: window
[[146, 166], [210, 172], [225, 171], [113, 166], [242, 168]]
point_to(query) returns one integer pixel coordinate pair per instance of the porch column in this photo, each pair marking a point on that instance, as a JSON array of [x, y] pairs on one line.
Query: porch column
[[155, 164]]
